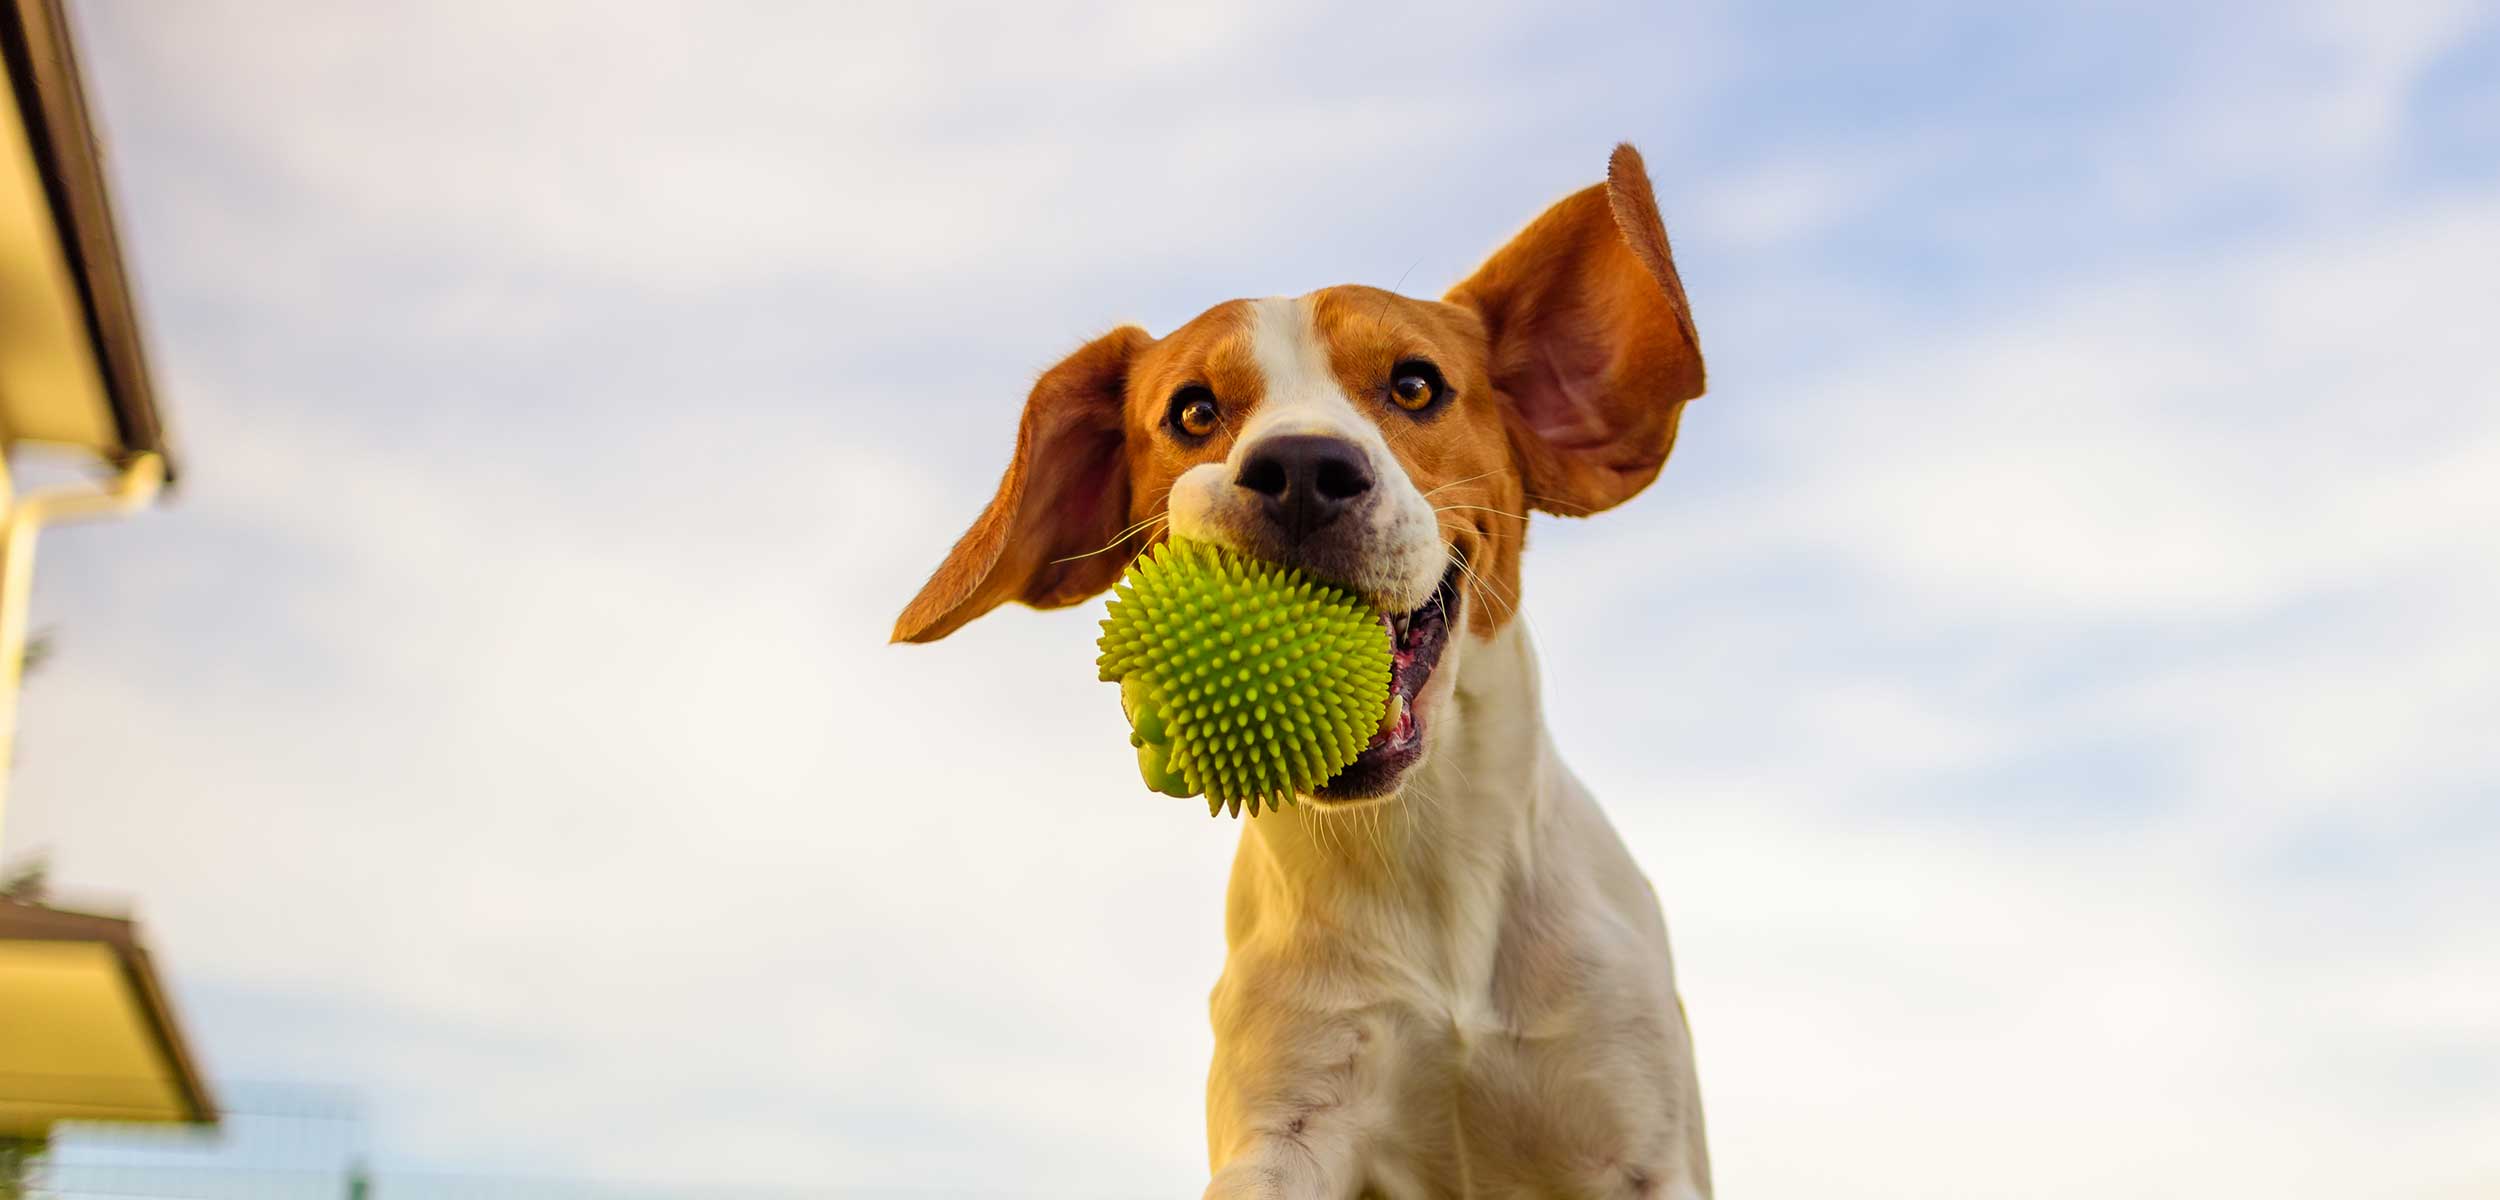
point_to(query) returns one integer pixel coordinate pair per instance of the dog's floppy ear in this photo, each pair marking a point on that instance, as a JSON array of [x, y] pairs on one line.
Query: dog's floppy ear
[[1591, 342], [1065, 496]]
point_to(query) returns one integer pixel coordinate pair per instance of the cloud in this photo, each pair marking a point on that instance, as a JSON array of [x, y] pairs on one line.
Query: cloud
[[2012, 704]]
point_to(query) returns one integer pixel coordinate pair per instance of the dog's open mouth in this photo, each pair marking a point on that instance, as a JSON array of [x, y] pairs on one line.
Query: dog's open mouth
[[1416, 640]]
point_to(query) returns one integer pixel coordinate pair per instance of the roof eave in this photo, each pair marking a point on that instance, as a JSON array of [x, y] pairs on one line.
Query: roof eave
[[20, 919], [43, 70]]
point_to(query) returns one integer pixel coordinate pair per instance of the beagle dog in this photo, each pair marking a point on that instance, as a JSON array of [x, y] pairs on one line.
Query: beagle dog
[[1446, 976]]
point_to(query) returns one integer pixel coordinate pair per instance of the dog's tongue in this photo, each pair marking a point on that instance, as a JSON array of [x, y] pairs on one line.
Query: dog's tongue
[[1396, 707]]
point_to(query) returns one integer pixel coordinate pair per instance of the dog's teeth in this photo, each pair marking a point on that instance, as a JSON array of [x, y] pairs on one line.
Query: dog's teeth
[[1397, 709]]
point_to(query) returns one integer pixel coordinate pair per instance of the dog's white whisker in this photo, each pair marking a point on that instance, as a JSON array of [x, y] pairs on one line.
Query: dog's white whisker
[[1479, 508], [1116, 539], [1429, 494], [1509, 605]]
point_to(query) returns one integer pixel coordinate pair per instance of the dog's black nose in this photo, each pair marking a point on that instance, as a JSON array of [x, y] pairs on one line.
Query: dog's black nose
[[1305, 481]]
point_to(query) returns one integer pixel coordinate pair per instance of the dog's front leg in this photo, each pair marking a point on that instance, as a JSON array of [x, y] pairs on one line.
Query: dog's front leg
[[1287, 1167], [1289, 1096]]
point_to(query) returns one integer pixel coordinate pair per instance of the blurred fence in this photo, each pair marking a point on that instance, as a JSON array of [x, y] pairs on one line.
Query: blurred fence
[[273, 1144], [281, 1142], [288, 1143]]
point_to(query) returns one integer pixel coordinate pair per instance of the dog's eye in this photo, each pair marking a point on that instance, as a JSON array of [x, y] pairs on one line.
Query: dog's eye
[[1415, 385], [1194, 411]]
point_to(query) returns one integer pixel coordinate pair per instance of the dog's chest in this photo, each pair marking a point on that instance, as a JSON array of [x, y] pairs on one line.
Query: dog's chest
[[1551, 1070], [1565, 1090]]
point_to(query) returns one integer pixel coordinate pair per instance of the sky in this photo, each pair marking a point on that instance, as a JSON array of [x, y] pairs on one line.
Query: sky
[[2052, 688]]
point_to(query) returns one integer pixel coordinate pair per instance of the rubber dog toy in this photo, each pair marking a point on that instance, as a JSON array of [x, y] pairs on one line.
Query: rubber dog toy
[[1243, 681]]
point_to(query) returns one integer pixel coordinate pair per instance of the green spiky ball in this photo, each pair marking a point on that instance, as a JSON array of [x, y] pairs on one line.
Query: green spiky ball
[[1244, 681]]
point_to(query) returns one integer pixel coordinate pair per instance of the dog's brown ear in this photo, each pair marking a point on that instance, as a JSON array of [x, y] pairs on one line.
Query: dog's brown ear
[[1591, 342], [1065, 496]]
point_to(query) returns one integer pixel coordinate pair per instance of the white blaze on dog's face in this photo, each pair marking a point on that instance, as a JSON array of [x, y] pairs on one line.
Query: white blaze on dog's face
[[1389, 444]]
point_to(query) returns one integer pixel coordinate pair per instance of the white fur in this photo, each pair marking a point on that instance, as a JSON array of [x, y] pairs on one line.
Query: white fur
[[1466, 990]]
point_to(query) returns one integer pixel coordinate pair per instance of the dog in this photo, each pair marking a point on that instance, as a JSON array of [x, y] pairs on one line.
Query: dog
[[1445, 974]]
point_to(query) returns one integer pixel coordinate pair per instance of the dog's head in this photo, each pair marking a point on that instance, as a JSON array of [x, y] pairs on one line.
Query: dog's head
[[1391, 444]]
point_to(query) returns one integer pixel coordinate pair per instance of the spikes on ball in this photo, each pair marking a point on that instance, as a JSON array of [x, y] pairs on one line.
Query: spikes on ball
[[1244, 681]]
